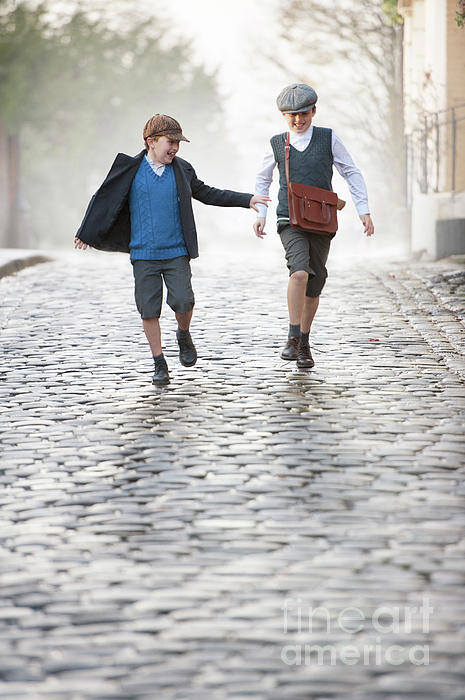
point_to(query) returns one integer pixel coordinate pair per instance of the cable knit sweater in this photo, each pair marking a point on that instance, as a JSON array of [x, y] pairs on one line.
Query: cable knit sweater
[[156, 232]]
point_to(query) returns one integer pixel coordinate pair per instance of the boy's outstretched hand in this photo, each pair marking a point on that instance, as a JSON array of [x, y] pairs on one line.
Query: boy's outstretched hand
[[258, 199], [259, 226], [368, 225], [80, 244]]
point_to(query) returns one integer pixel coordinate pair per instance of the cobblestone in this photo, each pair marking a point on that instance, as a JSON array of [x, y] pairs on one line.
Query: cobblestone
[[251, 530]]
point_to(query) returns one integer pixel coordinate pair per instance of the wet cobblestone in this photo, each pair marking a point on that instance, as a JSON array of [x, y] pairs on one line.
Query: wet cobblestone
[[150, 538]]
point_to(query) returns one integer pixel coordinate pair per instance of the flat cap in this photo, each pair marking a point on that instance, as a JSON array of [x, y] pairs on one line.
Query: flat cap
[[163, 125], [297, 97]]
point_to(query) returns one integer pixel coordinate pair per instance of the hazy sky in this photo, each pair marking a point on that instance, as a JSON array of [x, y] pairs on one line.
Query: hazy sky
[[238, 40], [235, 38]]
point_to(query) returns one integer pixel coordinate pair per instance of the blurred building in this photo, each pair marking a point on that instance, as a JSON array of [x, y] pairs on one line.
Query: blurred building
[[434, 114]]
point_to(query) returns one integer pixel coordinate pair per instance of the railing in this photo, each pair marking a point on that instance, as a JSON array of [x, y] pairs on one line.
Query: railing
[[432, 151]]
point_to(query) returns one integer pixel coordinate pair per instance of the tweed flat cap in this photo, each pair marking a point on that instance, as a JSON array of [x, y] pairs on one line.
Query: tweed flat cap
[[163, 125], [297, 97]]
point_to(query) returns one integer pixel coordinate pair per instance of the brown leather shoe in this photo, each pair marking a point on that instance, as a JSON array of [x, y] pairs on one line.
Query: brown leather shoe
[[304, 356], [290, 350]]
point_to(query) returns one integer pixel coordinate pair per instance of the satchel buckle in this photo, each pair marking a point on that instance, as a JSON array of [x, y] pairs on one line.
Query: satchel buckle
[[309, 212]]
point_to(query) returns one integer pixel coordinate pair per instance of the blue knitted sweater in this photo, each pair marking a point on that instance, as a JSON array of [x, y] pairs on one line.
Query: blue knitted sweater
[[156, 232]]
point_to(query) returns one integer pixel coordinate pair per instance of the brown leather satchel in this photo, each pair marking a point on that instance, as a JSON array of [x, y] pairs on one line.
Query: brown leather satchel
[[311, 208]]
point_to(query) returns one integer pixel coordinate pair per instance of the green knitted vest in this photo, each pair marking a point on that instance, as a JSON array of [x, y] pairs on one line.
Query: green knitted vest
[[314, 166]]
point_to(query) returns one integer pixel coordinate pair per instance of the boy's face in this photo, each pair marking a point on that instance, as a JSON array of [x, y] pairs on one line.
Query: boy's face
[[162, 149], [298, 122]]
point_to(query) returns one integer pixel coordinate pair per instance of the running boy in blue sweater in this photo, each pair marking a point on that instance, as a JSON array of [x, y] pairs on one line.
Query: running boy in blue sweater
[[144, 208]]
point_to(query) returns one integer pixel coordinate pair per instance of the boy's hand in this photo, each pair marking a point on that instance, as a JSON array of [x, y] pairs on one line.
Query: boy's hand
[[258, 199], [80, 244], [259, 227], [368, 224]]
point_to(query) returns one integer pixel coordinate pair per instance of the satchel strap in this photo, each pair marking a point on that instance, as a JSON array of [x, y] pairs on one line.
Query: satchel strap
[[286, 161], [286, 156]]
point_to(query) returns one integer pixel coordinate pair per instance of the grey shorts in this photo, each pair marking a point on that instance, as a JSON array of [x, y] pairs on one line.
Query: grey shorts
[[149, 276], [309, 252]]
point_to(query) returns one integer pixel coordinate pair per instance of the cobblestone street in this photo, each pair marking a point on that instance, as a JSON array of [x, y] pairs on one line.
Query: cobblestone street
[[205, 540]]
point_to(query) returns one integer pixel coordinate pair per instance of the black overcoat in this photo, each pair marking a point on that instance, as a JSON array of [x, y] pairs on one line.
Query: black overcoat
[[107, 222]]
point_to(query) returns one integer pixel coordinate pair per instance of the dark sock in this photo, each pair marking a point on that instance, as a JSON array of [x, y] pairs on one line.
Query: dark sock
[[304, 337], [158, 358], [182, 334], [294, 331]]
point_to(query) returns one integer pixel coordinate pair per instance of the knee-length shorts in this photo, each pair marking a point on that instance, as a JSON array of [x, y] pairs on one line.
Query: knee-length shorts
[[309, 252], [149, 276]]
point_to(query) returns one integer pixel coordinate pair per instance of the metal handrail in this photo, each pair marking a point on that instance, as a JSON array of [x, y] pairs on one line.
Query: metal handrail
[[431, 122], [446, 109], [426, 115], [438, 123]]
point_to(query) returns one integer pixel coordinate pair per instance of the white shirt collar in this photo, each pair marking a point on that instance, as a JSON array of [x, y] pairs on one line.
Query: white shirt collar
[[305, 137], [157, 169]]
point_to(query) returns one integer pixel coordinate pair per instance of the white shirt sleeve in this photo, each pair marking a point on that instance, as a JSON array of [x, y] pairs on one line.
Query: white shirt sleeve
[[264, 179], [349, 171]]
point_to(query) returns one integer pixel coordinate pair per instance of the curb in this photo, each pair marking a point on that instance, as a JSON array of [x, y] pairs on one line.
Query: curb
[[15, 265]]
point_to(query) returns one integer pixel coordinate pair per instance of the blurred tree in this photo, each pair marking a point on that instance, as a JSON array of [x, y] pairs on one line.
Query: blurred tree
[[460, 13], [390, 7], [354, 49], [72, 93], [19, 37]]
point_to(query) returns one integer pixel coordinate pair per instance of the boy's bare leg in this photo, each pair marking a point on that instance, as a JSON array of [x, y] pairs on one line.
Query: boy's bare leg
[[302, 310], [308, 313], [295, 303], [184, 320], [296, 296], [153, 334]]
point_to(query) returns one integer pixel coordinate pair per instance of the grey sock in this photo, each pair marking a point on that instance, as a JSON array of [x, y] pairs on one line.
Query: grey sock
[[304, 337], [294, 331]]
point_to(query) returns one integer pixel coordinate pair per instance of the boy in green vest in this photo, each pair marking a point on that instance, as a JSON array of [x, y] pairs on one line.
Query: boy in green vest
[[314, 151]]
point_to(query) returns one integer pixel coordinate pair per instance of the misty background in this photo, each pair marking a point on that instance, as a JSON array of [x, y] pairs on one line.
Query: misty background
[[79, 79]]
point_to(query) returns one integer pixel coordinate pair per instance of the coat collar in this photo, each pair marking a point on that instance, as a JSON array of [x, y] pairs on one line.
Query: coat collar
[[124, 159], [180, 177], [125, 165]]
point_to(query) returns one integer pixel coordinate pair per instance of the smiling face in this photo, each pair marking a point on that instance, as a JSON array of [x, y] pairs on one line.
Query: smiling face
[[162, 149], [298, 122]]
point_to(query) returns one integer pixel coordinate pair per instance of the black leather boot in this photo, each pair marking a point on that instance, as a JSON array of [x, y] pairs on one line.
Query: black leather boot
[[161, 375], [187, 351]]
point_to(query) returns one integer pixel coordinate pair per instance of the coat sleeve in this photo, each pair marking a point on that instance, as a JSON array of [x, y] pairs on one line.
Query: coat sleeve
[[216, 197], [86, 216], [106, 224]]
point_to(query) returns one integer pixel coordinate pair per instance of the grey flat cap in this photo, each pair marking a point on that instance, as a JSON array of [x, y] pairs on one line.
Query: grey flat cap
[[297, 97]]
